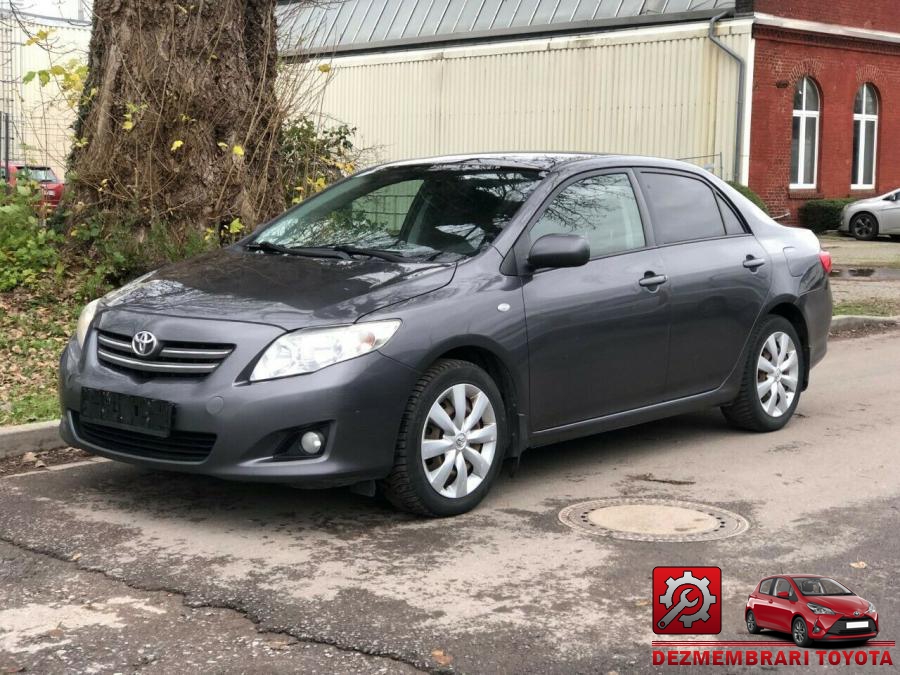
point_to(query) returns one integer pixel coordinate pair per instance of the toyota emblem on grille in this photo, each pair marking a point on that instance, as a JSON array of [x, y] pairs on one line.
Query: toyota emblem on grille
[[144, 343]]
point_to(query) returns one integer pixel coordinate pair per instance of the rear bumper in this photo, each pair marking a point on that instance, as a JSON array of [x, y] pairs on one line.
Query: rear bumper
[[359, 403], [817, 307]]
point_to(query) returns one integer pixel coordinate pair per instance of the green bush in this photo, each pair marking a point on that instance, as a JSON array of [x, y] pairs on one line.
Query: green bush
[[823, 214], [751, 195], [28, 249]]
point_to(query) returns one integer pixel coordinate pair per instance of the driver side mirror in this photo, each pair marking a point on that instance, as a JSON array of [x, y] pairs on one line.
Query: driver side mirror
[[559, 250], [784, 594]]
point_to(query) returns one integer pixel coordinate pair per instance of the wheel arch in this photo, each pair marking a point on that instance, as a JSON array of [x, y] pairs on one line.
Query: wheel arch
[[512, 391]]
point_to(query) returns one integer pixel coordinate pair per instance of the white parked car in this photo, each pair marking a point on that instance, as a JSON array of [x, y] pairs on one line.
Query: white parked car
[[868, 218]]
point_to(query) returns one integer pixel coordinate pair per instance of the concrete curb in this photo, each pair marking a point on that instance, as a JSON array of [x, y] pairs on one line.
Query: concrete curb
[[33, 437], [40, 436], [853, 322]]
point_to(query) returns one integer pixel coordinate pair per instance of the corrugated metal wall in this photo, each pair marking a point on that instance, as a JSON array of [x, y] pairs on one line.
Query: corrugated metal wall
[[40, 116], [665, 91]]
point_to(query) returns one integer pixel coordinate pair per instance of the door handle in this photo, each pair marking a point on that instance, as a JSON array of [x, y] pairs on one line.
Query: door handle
[[652, 280], [752, 263]]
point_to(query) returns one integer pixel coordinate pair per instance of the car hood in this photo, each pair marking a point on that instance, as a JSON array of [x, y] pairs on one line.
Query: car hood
[[842, 604], [287, 291], [872, 202]]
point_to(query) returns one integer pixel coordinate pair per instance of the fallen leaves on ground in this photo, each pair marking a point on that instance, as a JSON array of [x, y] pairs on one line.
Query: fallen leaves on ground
[[441, 657], [858, 565]]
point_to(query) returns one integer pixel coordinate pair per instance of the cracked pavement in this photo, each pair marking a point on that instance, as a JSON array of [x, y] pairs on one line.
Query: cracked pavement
[[97, 551]]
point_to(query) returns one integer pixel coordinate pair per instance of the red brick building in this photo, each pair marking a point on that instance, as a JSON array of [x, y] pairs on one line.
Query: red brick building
[[825, 99]]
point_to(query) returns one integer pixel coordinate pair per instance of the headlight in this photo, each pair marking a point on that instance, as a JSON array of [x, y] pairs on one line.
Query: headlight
[[84, 321], [818, 609], [871, 609], [311, 349]]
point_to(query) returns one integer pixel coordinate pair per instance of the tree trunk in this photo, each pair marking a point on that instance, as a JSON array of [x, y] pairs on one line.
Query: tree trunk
[[179, 124]]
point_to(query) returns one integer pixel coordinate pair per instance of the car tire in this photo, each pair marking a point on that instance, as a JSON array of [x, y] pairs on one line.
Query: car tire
[[752, 627], [864, 226], [754, 409], [800, 632], [420, 481]]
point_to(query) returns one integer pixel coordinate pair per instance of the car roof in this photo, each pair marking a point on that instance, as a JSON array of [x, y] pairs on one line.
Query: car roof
[[546, 161]]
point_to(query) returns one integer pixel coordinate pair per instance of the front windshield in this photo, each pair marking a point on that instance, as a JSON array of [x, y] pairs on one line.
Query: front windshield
[[412, 211], [820, 586]]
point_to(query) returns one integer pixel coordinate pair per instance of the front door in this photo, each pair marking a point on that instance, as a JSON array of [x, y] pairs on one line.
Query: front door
[[597, 334], [719, 276]]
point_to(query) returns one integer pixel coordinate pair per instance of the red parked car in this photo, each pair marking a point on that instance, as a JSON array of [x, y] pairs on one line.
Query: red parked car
[[811, 608], [51, 186]]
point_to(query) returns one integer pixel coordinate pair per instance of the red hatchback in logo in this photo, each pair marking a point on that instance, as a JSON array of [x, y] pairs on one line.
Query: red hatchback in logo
[[811, 608]]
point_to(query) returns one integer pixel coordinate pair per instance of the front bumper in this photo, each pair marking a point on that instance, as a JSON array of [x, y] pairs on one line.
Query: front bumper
[[359, 402], [828, 628]]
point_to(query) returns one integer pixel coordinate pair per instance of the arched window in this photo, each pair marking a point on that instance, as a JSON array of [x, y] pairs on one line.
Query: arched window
[[865, 137], [805, 135]]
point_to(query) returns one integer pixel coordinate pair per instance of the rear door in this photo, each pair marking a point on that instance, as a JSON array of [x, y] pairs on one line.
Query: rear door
[[763, 605], [597, 334], [719, 277]]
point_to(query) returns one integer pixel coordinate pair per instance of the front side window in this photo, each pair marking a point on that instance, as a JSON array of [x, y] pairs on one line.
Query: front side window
[[782, 586], [410, 211], [683, 208], [602, 209], [805, 135], [865, 137]]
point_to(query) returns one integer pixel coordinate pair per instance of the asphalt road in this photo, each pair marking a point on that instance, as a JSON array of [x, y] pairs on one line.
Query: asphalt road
[[103, 565]]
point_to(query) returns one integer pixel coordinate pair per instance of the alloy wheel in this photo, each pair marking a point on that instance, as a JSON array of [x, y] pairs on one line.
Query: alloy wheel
[[799, 631], [459, 441], [777, 374], [864, 226], [751, 622]]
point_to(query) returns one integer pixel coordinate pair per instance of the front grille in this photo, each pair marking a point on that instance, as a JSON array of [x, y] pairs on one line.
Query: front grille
[[172, 358], [840, 627], [180, 446]]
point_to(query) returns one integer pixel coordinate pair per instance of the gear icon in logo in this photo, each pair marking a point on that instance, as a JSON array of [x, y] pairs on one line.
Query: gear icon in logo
[[688, 579]]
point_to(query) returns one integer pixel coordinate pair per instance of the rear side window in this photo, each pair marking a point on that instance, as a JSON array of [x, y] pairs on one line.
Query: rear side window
[[766, 587], [732, 222], [683, 208], [602, 209]]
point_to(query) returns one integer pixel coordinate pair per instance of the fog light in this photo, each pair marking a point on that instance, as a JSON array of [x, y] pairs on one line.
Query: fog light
[[311, 442]]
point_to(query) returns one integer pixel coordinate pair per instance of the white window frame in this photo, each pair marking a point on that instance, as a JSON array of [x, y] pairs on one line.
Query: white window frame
[[862, 118], [806, 117]]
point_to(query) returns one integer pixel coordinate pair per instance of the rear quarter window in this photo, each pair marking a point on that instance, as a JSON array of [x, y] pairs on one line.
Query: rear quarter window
[[766, 587]]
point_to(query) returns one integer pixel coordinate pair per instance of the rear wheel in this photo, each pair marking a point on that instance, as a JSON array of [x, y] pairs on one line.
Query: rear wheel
[[451, 442], [864, 226], [752, 626], [773, 376]]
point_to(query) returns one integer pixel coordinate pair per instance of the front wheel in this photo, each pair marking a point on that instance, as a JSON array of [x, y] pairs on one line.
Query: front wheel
[[451, 442], [773, 378], [864, 227], [800, 633]]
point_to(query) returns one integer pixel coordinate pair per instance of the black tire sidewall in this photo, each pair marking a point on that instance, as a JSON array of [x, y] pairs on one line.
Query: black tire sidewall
[[437, 504], [774, 324], [755, 630]]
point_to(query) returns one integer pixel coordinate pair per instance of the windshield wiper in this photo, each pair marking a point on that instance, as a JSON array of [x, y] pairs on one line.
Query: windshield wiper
[[373, 252], [315, 252]]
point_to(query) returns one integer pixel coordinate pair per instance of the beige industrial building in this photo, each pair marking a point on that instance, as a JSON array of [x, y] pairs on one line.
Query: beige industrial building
[[633, 76]]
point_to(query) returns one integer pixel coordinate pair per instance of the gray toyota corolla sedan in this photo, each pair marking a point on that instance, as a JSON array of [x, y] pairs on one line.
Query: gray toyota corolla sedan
[[418, 323]]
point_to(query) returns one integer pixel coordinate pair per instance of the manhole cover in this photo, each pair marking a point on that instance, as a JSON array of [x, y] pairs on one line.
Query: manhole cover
[[661, 520]]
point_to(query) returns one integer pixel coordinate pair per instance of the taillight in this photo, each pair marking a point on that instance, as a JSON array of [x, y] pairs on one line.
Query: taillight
[[825, 257]]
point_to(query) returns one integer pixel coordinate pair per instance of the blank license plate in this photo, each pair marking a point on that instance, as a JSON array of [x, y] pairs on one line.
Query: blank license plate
[[123, 411], [857, 624]]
